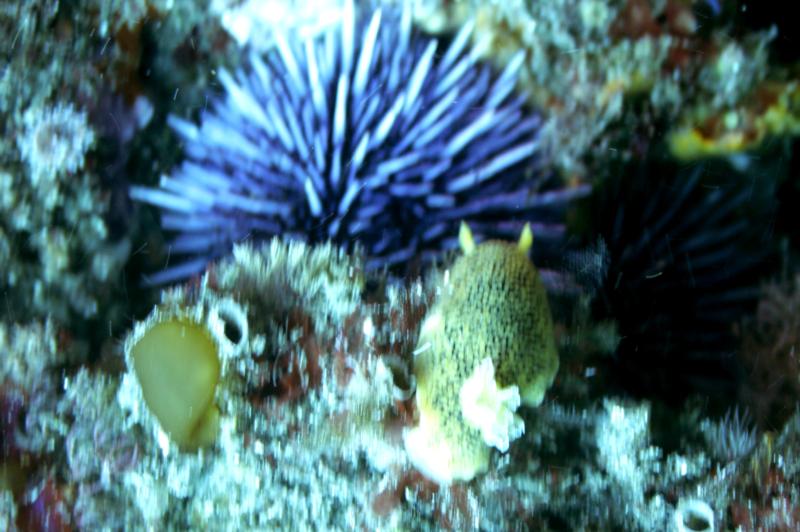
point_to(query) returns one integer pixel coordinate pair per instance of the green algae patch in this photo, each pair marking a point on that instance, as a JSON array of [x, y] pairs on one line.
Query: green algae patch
[[178, 368]]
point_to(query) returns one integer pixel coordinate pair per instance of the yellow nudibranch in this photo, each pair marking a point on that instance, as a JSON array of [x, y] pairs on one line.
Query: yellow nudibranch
[[485, 347]]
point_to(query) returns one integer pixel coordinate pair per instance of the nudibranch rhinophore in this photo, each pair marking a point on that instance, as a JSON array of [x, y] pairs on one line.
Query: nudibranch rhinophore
[[485, 347]]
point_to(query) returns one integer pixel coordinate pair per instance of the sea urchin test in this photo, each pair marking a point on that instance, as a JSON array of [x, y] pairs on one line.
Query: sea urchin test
[[485, 347], [177, 365]]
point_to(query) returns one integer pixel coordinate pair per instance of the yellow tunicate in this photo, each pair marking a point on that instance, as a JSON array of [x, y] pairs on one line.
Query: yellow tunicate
[[177, 365]]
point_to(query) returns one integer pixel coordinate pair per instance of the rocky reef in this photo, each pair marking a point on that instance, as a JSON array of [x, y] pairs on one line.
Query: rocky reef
[[643, 376]]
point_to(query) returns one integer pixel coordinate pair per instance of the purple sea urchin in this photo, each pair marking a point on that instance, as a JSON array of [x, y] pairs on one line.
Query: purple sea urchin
[[365, 134], [686, 251]]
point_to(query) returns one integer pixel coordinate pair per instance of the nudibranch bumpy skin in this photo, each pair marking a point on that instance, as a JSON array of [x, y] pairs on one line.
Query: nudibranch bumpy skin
[[485, 347]]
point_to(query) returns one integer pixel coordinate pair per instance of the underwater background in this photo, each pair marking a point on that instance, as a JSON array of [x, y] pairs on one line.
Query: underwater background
[[399, 265]]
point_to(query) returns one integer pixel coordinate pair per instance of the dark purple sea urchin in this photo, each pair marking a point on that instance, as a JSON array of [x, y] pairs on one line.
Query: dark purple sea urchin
[[365, 133], [687, 247]]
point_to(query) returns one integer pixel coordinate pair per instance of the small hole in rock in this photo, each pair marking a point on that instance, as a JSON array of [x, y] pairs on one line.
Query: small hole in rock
[[400, 378], [232, 330], [403, 380], [695, 521]]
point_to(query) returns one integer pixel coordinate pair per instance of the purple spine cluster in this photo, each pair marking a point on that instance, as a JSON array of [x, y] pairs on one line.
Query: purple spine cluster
[[370, 133]]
